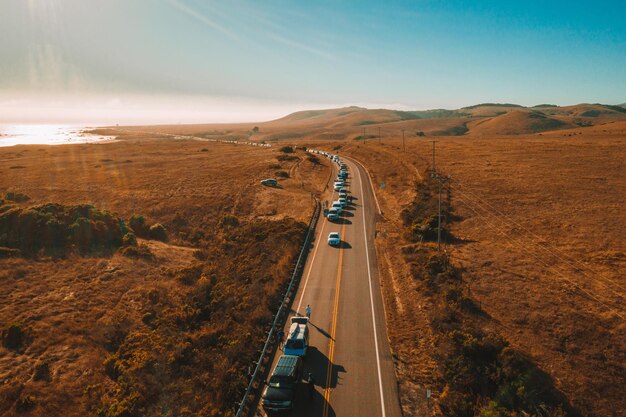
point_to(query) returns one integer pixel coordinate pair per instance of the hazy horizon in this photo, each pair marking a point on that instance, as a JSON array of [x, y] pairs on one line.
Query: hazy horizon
[[191, 61]]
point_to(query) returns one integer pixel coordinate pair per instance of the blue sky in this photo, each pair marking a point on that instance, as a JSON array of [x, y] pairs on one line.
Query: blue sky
[[196, 60]]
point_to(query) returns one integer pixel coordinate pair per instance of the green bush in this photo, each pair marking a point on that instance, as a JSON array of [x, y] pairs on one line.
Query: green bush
[[138, 224], [129, 239], [55, 229], [282, 174]]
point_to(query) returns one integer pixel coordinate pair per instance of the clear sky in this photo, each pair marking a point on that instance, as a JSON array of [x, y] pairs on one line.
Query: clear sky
[[202, 60]]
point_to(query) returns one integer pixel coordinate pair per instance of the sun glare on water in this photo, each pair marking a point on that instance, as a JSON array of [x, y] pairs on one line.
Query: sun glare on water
[[46, 134]]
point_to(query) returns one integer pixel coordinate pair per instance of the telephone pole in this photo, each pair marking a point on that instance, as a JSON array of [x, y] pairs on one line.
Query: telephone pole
[[440, 179], [434, 169]]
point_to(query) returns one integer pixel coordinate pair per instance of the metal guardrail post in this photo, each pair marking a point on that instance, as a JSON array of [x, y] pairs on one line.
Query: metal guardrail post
[[277, 318]]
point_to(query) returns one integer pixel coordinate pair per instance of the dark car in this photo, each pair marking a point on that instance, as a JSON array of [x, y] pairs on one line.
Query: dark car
[[281, 388]]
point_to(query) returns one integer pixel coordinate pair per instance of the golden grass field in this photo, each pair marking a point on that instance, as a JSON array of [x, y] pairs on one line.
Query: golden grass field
[[129, 336], [541, 237], [538, 194]]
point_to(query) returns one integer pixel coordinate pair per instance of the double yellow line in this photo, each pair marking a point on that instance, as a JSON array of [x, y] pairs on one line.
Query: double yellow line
[[333, 330]]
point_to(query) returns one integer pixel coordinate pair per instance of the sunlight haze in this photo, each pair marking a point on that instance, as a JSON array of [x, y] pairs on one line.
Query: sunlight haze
[[108, 61]]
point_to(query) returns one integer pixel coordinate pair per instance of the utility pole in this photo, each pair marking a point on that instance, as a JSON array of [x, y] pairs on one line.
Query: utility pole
[[379, 135], [440, 179], [403, 147], [434, 169]]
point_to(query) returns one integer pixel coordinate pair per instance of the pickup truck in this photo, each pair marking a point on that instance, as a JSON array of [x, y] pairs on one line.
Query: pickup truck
[[281, 387]]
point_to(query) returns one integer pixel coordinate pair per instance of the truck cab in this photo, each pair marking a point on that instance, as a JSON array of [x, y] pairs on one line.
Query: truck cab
[[281, 387]]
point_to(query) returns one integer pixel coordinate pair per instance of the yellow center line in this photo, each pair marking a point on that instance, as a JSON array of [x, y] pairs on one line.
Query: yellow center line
[[331, 348]]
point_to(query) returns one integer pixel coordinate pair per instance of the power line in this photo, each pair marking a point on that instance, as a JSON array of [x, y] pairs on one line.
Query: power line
[[516, 243], [560, 256]]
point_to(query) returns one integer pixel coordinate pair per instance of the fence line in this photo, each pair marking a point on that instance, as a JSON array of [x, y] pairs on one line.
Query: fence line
[[251, 393]]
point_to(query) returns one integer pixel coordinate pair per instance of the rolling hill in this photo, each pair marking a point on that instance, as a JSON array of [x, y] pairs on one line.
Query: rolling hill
[[480, 119]]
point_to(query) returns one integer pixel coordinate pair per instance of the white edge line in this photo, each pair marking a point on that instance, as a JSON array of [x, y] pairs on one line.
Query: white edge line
[[306, 281], [369, 275]]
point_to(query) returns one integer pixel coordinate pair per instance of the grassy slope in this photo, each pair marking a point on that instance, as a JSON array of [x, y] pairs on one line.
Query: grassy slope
[[138, 336]]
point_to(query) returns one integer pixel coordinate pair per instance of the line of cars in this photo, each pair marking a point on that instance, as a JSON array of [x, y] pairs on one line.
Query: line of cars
[[280, 392]]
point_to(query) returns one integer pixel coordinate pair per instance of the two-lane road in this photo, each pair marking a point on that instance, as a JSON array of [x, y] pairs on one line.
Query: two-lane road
[[349, 352]]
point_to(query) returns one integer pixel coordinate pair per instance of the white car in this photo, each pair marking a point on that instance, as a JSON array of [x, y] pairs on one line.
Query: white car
[[343, 201], [334, 239], [337, 206], [332, 214], [338, 185]]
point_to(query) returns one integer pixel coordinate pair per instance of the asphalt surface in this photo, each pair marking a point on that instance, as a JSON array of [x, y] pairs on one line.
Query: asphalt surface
[[349, 353]]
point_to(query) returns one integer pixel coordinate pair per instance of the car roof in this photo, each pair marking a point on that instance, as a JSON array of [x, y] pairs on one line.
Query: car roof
[[333, 234], [285, 366], [296, 331]]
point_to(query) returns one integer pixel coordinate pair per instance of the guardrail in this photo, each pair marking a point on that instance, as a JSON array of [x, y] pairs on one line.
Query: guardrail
[[251, 391]]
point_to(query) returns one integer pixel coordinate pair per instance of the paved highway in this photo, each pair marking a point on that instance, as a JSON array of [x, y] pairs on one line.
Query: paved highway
[[349, 354]]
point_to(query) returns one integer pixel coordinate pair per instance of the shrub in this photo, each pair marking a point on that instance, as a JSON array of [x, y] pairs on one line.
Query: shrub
[[275, 166], [158, 232], [25, 404], [285, 158], [314, 159], [42, 371], [286, 149], [138, 224], [282, 174], [129, 239], [14, 336], [16, 197], [229, 221], [420, 133], [188, 276], [138, 252]]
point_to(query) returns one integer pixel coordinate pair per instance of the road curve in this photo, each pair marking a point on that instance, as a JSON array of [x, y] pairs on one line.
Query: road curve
[[349, 352]]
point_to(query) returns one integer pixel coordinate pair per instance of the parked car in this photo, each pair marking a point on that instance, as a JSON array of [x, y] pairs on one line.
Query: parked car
[[332, 214], [297, 341], [334, 239], [343, 201], [337, 206], [270, 182], [281, 387], [343, 193], [338, 185]]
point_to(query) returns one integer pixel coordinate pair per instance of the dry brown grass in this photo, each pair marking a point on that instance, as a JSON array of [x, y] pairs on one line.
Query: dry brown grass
[[176, 330], [541, 232]]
